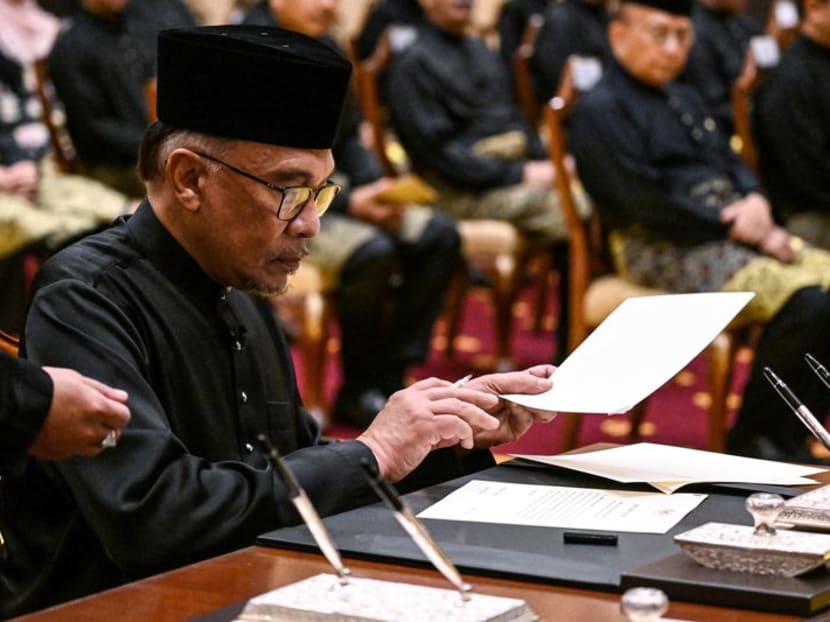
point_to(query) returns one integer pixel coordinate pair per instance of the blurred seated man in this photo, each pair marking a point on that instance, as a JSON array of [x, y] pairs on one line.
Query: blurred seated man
[[452, 107], [686, 215], [571, 27], [99, 67], [792, 125], [161, 306], [39, 207], [53, 414], [392, 263], [722, 34]]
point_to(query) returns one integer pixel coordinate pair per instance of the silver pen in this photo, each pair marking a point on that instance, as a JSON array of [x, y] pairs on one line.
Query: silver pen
[[461, 381], [803, 413], [416, 530], [306, 509]]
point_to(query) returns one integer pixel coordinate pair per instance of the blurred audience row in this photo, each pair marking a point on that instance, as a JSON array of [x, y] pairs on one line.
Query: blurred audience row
[[651, 136]]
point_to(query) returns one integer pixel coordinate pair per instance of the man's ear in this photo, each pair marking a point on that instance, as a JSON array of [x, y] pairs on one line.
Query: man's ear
[[615, 36], [185, 171]]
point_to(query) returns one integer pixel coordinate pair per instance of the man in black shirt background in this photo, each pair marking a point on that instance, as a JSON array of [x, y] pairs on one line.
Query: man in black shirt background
[[792, 125]]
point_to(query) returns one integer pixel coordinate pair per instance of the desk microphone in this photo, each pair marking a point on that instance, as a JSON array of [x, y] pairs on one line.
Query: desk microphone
[[416, 530], [821, 370], [306, 509], [796, 405]]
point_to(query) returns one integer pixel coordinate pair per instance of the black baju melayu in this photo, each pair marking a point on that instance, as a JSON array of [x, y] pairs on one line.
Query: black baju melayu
[[445, 94], [99, 69], [716, 58], [206, 370], [792, 125]]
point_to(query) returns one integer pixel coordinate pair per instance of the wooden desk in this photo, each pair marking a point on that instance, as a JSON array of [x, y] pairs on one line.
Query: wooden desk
[[215, 583]]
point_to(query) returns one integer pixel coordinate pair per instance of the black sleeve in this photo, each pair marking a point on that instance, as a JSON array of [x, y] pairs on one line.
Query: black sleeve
[[793, 141], [25, 397], [427, 131]]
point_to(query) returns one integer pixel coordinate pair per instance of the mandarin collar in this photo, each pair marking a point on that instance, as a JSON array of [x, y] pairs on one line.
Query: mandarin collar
[[169, 257], [620, 75], [444, 35]]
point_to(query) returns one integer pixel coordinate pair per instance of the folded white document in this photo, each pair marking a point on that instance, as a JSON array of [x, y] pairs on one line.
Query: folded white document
[[668, 468], [639, 347]]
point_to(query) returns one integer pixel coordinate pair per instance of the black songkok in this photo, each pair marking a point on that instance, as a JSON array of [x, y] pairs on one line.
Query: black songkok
[[255, 83], [676, 7]]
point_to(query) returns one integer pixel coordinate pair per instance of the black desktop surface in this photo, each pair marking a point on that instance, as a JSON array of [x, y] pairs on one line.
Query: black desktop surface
[[529, 553]]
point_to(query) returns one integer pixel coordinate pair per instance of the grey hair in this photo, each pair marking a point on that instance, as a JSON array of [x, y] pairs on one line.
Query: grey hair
[[161, 140]]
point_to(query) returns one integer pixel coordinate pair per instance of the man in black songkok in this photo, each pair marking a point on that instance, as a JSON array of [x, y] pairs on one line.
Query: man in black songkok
[[237, 173]]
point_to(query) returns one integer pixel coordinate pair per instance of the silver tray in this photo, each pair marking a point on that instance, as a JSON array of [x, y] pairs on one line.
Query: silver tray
[[726, 546], [810, 510]]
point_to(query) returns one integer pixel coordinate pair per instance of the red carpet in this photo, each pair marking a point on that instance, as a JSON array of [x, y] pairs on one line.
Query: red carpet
[[675, 415]]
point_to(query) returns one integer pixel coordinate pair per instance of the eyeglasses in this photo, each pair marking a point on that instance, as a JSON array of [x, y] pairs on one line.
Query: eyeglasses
[[661, 34], [292, 198]]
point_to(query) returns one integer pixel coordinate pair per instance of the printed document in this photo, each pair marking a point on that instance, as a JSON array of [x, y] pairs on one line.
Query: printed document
[[561, 506], [668, 468], [639, 347]]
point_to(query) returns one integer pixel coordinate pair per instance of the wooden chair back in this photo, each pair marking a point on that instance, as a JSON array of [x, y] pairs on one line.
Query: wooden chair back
[[587, 251], [9, 343], [524, 91], [62, 147], [150, 100], [367, 74], [762, 54], [783, 22]]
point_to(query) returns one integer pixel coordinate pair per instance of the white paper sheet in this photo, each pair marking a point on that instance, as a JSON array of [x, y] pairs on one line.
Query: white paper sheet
[[668, 468], [639, 347], [559, 506]]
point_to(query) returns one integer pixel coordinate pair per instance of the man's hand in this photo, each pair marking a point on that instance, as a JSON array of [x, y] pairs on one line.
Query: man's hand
[[777, 245], [82, 413], [19, 179], [514, 419], [365, 205], [750, 217], [539, 173], [428, 415], [432, 414]]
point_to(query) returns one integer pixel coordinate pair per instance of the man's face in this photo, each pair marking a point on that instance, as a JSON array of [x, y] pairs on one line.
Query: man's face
[[310, 17], [451, 15], [651, 44], [817, 20], [241, 242]]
